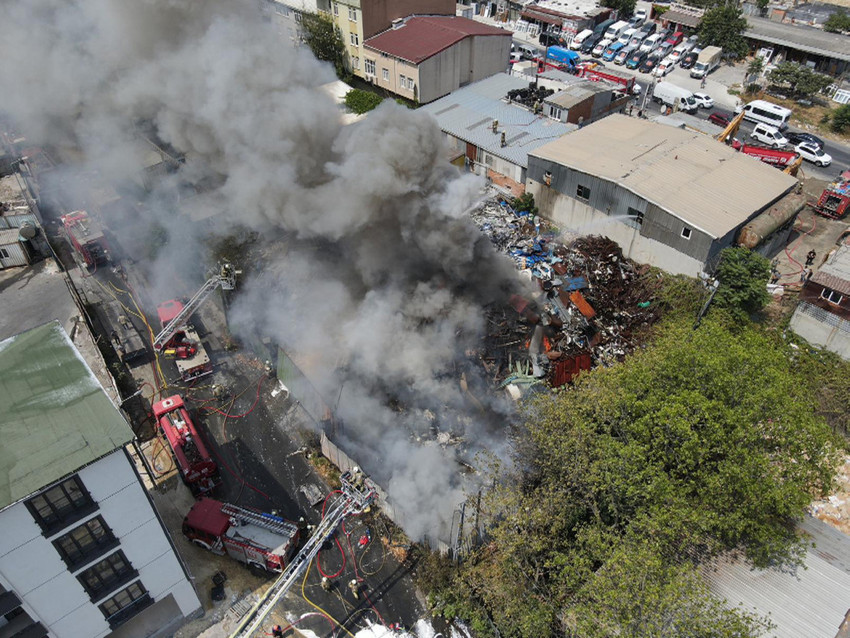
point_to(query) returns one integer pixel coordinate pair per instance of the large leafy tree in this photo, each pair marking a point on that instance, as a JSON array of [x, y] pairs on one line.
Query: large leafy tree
[[723, 25], [801, 79], [624, 8], [743, 276], [624, 484], [838, 22], [324, 40]]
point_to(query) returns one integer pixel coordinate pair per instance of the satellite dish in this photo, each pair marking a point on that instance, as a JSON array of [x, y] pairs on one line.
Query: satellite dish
[[27, 230]]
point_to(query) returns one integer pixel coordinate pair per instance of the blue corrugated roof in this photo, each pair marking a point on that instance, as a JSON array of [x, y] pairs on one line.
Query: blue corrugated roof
[[468, 113]]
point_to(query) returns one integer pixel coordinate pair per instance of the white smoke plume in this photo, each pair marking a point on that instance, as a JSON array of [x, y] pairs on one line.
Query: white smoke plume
[[383, 281]]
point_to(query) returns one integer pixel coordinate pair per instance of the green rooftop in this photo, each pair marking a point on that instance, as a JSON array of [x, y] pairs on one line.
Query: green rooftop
[[54, 415]]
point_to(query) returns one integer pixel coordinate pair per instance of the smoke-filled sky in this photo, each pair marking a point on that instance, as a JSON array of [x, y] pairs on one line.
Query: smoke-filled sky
[[392, 300]]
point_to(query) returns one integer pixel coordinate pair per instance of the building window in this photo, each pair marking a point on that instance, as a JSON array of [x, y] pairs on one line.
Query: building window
[[352, 14], [831, 296], [635, 218], [125, 604], [686, 232], [355, 39], [336, 9], [410, 84], [4, 254], [298, 18], [107, 575], [555, 113], [85, 543], [583, 192], [386, 75], [402, 81], [356, 62], [61, 505], [369, 66]]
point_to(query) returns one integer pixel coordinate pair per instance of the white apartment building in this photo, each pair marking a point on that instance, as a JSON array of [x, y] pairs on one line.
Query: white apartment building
[[83, 553]]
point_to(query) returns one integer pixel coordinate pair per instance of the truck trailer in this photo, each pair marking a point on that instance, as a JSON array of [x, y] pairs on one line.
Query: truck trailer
[[707, 61], [197, 469], [250, 536]]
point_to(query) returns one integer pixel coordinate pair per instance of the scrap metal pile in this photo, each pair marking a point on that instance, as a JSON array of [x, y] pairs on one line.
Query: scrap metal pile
[[586, 307]]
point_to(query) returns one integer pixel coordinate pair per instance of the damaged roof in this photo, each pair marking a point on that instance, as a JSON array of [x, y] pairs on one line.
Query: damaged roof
[[468, 115], [421, 37], [54, 415], [705, 183], [835, 273]]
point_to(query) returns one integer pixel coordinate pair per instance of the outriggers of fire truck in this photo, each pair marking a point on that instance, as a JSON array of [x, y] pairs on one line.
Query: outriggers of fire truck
[[248, 535], [834, 202], [196, 467], [86, 238], [178, 339]]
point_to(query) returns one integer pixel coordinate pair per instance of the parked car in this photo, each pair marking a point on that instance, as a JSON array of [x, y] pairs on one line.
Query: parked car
[[637, 20], [664, 49], [640, 13], [651, 43], [623, 55], [690, 58], [676, 38], [549, 39], [769, 135], [720, 118], [588, 45], [648, 28], [648, 65], [637, 39], [600, 47], [611, 51], [704, 100], [664, 67], [636, 59], [804, 138], [812, 153]]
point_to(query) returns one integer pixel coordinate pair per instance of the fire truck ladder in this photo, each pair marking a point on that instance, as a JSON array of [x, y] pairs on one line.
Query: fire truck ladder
[[226, 278], [263, 520], [356, 497]]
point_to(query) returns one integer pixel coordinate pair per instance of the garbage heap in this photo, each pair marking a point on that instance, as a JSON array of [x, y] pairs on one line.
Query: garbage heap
[[588, 304]]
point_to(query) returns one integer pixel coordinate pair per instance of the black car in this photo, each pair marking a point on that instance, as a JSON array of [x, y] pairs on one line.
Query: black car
[[550, 39], [689, 60], [649, 28], [648, 65], [803, 138], [587, 45]]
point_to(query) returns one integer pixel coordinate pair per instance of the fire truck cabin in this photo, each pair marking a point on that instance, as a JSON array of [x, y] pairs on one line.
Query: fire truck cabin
[[86, 236]]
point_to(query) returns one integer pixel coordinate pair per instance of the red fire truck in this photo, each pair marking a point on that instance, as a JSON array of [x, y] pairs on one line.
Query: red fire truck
[[86, 237], [248, 535], [184, 344], [834, 202], [772, 156], [196, 466]]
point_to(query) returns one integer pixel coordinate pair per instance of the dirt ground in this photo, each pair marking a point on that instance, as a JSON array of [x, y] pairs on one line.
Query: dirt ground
[[835, 508]]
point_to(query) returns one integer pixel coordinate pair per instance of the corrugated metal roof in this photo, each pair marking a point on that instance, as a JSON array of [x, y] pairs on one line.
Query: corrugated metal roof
[[835, 273], [54, 415], [578, 93], [9, 236], [421, 37], [809, 603], [800, 38], [680, 17], [468, 113], [694, 177]]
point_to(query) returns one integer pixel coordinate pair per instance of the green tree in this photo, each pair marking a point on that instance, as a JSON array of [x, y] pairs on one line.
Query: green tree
[[324, 40], [624, 8], [743, 276], [704, 442], [838, 22], [524, 203], [799, 78], [359, 101], [839, 119], [723, 25], [756, 66]]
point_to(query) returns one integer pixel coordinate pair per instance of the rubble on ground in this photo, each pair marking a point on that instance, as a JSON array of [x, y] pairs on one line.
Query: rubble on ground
[[588, 307]]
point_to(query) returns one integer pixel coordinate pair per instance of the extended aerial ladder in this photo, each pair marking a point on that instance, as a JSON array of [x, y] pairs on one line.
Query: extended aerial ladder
[[357, 495], [226, 278]]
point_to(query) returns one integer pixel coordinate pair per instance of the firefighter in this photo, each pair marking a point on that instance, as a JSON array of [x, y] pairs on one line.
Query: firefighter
[[326, 583], [352, 585], [277, 632]]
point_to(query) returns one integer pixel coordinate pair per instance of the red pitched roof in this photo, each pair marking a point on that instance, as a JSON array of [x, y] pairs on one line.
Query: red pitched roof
[[424, 36]]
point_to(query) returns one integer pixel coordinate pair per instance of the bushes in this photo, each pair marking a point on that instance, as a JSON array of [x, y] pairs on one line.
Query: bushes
[[359, 101]]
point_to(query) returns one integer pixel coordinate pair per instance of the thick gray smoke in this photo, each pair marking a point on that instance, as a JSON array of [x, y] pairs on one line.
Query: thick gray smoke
[[383, 281]]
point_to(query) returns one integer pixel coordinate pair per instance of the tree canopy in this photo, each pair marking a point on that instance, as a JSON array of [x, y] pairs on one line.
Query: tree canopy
[[743, 276], [624, 484], [360, 101], [838, 22], [624, 8], [799, 78], [723, 25], [324, 40]]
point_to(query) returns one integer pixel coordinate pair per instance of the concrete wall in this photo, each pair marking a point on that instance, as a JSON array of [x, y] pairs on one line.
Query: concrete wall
[[378, 15], [570, 214], [823, 329], [32, 567], [472, 59]]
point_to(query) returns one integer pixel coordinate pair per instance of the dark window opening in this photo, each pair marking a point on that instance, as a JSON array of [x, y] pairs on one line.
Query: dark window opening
[[107, 575], [85, 543], [686, 232], [61, 505], [583, 192], [635, 218], [125, 604], [831, 296]]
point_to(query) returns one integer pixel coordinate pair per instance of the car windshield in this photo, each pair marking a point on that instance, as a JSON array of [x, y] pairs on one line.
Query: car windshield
[[691, 100], [819, 152]]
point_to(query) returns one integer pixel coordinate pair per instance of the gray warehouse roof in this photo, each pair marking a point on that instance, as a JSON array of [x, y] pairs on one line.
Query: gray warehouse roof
[[811, 602], [693, 176], [54, 415], [468, 114], [801, 38]]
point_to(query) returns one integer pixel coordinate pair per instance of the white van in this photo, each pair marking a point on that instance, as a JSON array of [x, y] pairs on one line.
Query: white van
[[650, 43], [626, 35], [769, 135], [766, 113], [580, 38], [616, 30], [679, 98]]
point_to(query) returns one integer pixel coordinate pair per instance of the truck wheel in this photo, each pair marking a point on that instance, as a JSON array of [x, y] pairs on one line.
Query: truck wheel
[[258, 570], [200, 543]]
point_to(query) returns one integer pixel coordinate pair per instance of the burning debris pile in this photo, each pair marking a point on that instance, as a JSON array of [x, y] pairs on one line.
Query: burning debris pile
[[591, 304], [530, 96]]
